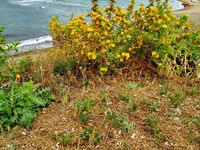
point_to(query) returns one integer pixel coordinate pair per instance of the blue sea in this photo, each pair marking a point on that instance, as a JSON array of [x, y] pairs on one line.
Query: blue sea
[[26, 19]]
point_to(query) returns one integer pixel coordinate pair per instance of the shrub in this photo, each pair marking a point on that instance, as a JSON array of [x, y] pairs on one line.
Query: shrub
[[116, 37], [19, 104]]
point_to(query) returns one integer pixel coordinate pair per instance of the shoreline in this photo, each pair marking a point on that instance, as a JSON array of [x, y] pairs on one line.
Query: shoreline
[[34, 44]]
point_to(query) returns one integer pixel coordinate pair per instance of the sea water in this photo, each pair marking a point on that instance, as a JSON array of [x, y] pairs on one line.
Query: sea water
[[26, 19]]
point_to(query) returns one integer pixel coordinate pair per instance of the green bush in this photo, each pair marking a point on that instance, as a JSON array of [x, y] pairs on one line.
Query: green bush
[[19, 104]]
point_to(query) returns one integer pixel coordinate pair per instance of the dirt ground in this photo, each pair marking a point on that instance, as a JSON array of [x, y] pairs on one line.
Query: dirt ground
[[176, 125]]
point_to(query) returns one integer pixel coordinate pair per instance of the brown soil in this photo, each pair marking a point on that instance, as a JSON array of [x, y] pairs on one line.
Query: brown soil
[[175, 124]]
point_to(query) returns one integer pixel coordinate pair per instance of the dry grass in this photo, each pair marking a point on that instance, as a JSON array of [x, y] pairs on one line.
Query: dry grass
[[176, 126]]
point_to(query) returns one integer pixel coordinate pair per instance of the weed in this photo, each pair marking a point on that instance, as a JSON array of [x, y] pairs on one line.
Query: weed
[[196, 121], [177, 99], [86, 135], [192, 91], [105, 98], [163, 90], [89, 134], [119, 121], [126, 145], [132, 106], [19, 103], [153, 105], [97, 138], [11, 147], [124, 97], [194, 138], [84, 110], [132, 86], [153, 124], [65, 139]]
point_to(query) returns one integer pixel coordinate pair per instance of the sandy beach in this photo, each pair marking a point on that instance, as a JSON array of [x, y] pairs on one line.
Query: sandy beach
[[193, 12]]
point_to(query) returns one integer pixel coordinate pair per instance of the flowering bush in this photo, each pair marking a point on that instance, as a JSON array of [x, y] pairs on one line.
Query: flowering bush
[[117, 37], [4, 49]]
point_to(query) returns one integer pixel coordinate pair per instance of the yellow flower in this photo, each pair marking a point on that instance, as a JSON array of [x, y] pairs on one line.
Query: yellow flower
[[121, 59], [3, 47], [159, 21], [92, 55], [155, 54], [112, 45], [103, 24], [103, 69], [106, 33], [128, 36], [164, 26], [107, 41], [165, 16], [127, 56], [90, 29], [156, 28], [154, 18], [17, 76], [123, 54], [118, 56], [119, 21]]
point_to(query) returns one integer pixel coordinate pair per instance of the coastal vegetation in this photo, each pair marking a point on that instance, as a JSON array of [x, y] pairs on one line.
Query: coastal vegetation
[[123, 79]]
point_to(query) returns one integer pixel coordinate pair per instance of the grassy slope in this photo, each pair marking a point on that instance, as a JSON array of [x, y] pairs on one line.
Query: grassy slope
[[179, 127]]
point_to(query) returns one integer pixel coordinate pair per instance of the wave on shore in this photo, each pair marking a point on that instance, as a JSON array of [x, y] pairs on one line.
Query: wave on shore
[[33, 44]]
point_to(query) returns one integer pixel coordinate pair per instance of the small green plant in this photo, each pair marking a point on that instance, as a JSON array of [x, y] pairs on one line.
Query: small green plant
[[105, 98], [177, 99], [84, 110], [126, 145], [89, 134], [97, 138], [196, 121], [11, 147], [119, 121], [132, 106], [194, 138], [132, 86], [153, 106], [153, 124], [192, 91], [65, 139], [19, 103], [124, 97], [163, 90]]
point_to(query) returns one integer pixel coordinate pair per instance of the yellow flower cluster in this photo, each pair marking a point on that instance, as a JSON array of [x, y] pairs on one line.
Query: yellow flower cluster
[[115, 35]]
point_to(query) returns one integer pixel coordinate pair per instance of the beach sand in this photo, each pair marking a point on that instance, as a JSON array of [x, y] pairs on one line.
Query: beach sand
[[193, 12]]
